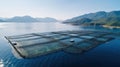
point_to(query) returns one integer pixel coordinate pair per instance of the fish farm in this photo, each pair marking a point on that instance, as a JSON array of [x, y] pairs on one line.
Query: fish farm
[[38, 44]]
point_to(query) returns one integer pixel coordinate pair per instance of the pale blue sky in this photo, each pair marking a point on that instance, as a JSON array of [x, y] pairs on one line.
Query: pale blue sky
[[59, 9]]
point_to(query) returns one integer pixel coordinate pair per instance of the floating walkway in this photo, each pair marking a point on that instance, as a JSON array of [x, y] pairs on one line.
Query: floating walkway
[[38, 44]]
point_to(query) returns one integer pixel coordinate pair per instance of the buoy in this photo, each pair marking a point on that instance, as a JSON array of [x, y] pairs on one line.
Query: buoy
[[72, 40], [14, 43]]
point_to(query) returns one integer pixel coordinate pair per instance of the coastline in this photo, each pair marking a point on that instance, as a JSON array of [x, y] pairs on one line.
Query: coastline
[[106, 26], [111, 26]]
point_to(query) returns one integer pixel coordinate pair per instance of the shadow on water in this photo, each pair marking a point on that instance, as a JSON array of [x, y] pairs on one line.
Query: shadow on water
[[105, 55]]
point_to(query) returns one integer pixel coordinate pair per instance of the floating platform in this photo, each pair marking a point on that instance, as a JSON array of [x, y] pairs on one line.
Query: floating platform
[[38, 44]]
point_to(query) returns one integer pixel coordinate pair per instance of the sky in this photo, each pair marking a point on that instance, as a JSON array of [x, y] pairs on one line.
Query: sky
[[59, 9]]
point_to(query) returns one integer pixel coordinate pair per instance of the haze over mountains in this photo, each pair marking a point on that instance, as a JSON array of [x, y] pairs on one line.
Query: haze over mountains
[[27, 19], [101, 18]]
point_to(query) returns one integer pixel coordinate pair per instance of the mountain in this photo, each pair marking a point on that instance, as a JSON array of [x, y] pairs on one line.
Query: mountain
[[94, 16], [2, 20], [101, 18], [21, 19], [28, 19], [47, 19], [80, 21], [110, 21], [97, 15], [114, 14]]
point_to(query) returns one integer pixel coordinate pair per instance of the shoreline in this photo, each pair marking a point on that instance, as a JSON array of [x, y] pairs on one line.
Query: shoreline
[[111, 26], [93, 25]]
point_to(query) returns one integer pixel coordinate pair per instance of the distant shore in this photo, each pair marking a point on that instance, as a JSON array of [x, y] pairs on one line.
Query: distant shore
[[107, 26], [111, 26]]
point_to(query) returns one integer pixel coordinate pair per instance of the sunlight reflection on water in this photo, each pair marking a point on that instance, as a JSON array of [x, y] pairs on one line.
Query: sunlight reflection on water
[[2, 25]]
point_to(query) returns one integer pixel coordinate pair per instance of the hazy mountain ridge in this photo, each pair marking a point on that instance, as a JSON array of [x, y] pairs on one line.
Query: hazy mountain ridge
[[27, 19], [47, 19], [101, 18], [97, 15], [2, 20]]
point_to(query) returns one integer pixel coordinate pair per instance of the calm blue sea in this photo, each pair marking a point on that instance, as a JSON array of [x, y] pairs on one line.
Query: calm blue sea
[[105, 55]]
